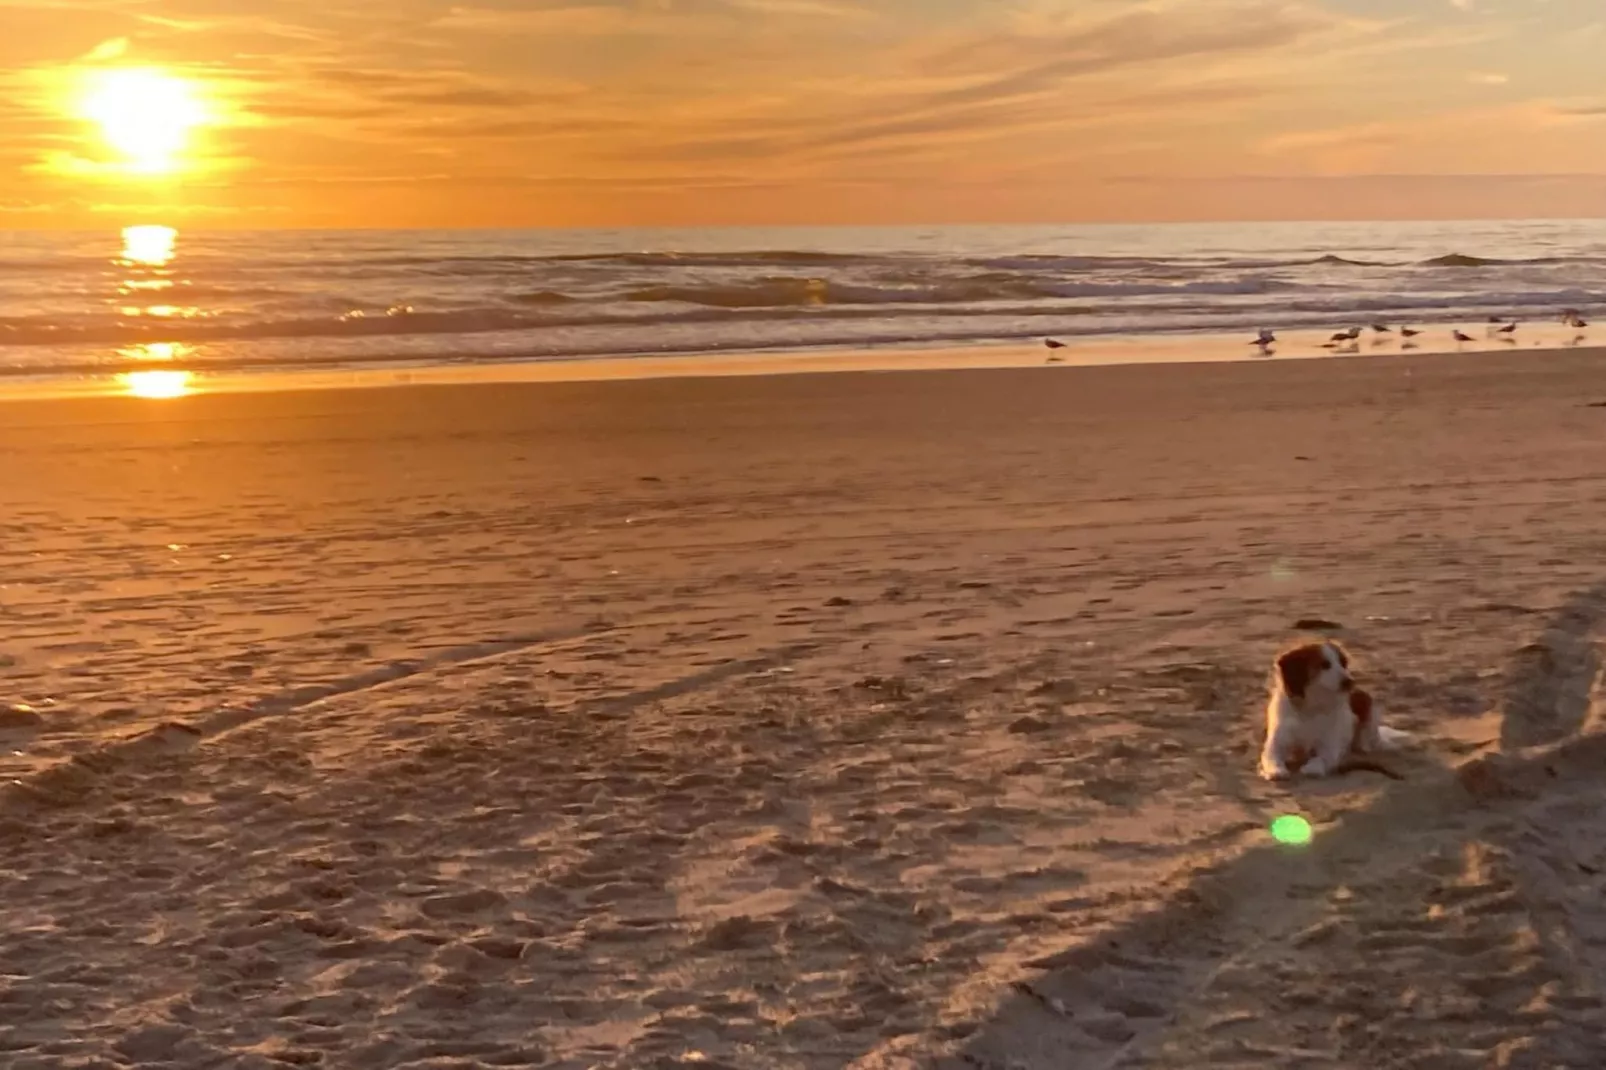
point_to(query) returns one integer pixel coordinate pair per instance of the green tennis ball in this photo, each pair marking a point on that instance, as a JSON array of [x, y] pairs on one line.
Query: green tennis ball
[[1291, 829]]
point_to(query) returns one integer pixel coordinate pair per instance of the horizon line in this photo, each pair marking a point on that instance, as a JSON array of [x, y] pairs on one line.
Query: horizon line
[[150, 218]]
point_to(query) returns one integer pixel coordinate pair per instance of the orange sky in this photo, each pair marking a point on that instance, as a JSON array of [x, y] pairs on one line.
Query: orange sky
[[629, 112]]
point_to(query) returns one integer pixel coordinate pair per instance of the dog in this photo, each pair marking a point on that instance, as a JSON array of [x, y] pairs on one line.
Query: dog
[[1318, 723]]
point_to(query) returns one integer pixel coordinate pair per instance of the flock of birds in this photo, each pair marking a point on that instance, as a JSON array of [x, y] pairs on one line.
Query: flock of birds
[[1505, 331]]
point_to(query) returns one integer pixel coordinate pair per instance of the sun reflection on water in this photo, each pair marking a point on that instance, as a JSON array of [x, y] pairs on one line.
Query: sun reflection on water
[[133, 286], [154, 351], [147, 256], [161, 312], [157, 384], [149, 245]]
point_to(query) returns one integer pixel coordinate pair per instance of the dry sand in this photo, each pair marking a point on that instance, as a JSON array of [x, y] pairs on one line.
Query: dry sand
[[843, 720]]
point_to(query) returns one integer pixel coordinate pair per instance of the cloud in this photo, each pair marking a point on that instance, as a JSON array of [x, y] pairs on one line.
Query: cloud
[[578, 18], [821, 9], [602, 17], [1114, 69], [1124, 37], [941, 125], [1580, 110], [1470, 140], [1489, 78], [311, 91], [115, 48]]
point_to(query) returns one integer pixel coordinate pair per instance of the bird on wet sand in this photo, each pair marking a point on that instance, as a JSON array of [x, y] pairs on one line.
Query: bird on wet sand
[[1409, 332], [1462, 337], [1053, 343]]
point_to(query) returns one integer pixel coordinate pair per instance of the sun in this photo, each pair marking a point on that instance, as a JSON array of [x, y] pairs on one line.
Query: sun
[[145, 116]]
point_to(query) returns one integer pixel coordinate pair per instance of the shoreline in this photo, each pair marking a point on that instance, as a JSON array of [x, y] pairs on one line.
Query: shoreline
[[159, 380]]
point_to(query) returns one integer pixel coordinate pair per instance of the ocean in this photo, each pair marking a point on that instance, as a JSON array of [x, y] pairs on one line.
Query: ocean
[[92, 304]]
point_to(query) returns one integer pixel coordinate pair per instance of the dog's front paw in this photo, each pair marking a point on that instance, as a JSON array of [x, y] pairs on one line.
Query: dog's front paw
[[1317, 766], [1271, 771]]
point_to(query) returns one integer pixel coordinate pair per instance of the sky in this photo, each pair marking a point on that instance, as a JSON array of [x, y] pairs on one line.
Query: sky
[[425, 113]]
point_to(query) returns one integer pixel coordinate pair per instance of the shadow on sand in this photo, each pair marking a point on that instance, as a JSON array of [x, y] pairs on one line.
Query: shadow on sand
[[1454, 923]]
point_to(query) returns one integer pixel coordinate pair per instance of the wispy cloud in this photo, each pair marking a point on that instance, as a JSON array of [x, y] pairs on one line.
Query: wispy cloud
[[1594, 109], [107, 50]]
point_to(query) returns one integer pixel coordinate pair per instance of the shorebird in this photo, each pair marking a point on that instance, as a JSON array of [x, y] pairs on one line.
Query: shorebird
[[1572, 319], [1346, 336], [1381, 328], [1460, 337], [1409, 332], [1053, 343], [1264, 339], [1510, 328]]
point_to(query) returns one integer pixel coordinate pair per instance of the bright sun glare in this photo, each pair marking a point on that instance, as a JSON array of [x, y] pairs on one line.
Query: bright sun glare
[[156, 384], [149, 244], [145, 116]]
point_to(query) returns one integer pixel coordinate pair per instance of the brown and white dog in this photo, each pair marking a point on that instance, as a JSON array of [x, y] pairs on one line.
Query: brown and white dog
[[1317, 720]]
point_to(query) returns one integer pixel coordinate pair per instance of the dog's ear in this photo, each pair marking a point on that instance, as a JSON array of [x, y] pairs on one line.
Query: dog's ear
[[1360, 704], [1296, 667]]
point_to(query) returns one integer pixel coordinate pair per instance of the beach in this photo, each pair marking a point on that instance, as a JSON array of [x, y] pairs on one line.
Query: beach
[[873, 720]]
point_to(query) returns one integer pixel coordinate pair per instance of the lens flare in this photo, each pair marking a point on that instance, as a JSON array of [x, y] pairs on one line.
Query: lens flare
[[1292, 829]]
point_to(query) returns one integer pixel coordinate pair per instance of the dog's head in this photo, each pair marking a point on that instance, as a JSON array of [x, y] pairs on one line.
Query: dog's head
[[1322, 667]]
